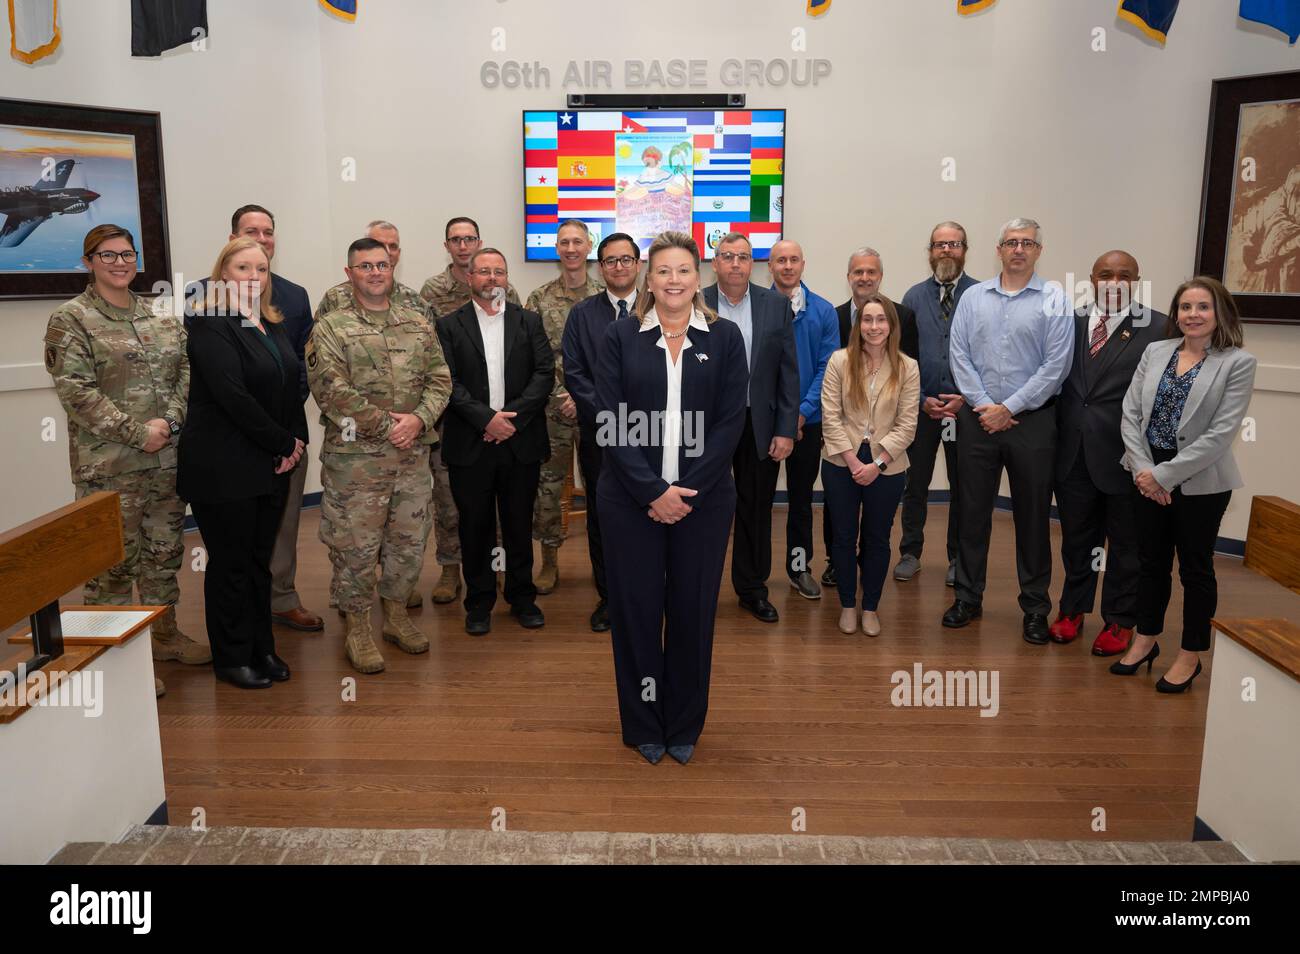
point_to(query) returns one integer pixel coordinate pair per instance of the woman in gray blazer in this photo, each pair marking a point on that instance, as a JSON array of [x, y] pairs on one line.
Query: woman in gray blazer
[[1181, 413]]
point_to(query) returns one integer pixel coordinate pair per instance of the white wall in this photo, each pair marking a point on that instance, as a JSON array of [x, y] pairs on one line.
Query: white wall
[[1105, 149]]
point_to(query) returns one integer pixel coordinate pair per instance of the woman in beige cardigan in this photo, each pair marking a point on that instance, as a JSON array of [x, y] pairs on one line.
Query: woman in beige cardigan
[[870, 396]]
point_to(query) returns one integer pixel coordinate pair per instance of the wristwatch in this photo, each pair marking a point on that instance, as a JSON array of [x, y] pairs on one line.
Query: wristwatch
[[880, 464], [175, 428]]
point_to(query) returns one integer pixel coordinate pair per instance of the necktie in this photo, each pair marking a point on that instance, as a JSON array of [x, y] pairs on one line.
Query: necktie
[[1098, 337], [945, 302], [622, 308]]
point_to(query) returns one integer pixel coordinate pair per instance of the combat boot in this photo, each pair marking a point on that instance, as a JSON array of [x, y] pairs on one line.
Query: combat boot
[[170, 643], [448, 585], [415, 600], [399, 629], [549, 576], [159, 690], [360, 645]]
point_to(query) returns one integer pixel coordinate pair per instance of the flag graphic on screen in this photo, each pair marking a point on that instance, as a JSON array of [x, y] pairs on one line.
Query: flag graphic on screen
[[645, 172]]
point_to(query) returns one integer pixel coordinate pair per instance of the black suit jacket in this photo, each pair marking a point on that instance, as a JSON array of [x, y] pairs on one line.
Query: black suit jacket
[[632, 378], [244, 411], [774, 365], [1091, 402], [294, 304], [529, 377], [908, 339]]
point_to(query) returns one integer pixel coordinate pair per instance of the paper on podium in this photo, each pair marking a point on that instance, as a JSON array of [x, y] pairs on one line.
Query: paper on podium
[[106, 623]]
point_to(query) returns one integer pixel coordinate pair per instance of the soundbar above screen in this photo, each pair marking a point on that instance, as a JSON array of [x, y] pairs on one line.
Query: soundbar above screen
[[706, 172]]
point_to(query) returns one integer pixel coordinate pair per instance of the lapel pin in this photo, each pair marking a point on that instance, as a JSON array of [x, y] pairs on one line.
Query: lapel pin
[[1125, 335], [701, 357]]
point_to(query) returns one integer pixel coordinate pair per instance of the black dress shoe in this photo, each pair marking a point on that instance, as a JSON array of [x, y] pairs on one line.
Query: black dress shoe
[[1120, 668], [272, 667], [763, 611], [828, 576], [478, 622], [960, 613], [245, 677], [1164, 685], [529, 615], [600, 618], [1037, 630], [682, 753]]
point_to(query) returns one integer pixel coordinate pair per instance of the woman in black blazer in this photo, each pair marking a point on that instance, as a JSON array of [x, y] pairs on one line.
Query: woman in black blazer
[[670, 390], [244, 431]]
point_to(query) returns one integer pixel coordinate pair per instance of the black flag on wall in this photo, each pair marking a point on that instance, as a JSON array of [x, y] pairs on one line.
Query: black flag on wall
[[160, 25]]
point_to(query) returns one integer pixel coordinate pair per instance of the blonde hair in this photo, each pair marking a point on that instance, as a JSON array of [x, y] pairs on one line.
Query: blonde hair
[[664, 241], [218, 295], [857, 362]]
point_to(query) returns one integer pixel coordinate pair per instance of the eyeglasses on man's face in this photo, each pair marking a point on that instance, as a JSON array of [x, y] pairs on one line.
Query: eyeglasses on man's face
[[462, 240], [367, 267], [1020, 243], [728, 257], [490, 272], [945, 246], [108, 258], [622, 261]]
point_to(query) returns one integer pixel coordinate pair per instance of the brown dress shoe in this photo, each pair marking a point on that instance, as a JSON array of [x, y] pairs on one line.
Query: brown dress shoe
[[299, 619]]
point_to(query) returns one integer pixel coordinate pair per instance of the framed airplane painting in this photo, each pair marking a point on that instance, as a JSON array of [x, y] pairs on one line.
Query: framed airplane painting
[[64, 170]]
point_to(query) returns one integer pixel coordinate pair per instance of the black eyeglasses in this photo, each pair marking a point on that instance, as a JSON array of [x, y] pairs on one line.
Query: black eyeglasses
[[627, 261], [462, 240], [1020, 243], [367, 267], [108, 258], [944, 246]]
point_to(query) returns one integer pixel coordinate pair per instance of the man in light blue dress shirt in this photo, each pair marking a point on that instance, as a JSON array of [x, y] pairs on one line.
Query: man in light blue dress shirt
[[1011, 347]]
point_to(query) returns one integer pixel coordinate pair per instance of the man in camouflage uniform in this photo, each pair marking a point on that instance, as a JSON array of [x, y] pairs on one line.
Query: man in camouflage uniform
[[553, 301], [444, 293], [121, 374], [378, 375], [340, 296]]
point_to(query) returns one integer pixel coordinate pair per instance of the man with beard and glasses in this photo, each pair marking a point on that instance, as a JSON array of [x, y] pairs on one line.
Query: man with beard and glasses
[[934, 301]]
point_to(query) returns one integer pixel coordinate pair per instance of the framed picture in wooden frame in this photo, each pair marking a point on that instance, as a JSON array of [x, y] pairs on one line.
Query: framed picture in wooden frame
[[65, 169]]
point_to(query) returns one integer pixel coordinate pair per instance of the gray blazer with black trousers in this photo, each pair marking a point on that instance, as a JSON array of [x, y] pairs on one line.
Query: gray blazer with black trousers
[[1212, 415]]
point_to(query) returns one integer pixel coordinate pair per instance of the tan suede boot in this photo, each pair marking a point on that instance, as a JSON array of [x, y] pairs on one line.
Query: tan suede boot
[[170, 643], [415, 600], [549, 576], [159, 690], [399, 629], [448, 585], [360, 645]]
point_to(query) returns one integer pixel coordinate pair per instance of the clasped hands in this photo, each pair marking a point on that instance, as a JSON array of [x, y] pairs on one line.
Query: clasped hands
[[500, 427], [285, 464], [406, 429], [160, 434], [942, 407], [1151, 489], [669, 507], [995, 418]]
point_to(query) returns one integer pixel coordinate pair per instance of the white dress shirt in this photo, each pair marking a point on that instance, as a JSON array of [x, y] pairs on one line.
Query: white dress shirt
[[493, 329], [742, 314], [614, 300], [1112, 322], [671, 433]]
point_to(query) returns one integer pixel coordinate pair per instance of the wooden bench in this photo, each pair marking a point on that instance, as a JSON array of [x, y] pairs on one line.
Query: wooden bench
[[1250, 768]]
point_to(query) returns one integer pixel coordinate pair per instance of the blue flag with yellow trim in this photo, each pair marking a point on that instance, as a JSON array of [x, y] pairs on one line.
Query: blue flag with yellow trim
[[1152, 17], [817, 7], [1281, 15], [965, 7], [344, 9]]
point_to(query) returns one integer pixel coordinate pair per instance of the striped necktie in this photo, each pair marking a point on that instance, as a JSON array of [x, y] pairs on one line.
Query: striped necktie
[[945, 302], [1098, 337]]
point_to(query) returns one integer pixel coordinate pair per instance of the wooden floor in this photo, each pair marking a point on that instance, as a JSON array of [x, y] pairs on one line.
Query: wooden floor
[[800, 721]]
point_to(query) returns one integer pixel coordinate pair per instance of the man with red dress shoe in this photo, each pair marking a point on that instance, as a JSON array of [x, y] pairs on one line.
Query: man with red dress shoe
[[1094, 494]]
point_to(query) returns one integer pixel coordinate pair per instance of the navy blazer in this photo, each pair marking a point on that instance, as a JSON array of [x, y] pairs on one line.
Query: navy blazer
[[529, 377], [632, 377], [1091, 403], [292, 301], [584, 339], [774, 366]]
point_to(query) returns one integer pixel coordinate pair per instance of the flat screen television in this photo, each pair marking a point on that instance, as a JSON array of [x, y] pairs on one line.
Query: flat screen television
[[706, 172]]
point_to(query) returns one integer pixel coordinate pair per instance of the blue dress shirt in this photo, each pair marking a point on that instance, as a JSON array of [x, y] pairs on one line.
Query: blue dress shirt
[[1012, 349]]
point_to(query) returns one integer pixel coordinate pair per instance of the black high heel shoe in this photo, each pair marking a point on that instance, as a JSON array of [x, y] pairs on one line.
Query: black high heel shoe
[[1164, 685], [1119, 669]]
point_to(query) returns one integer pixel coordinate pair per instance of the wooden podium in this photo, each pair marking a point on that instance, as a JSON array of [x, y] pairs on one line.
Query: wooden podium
[[78, 721]]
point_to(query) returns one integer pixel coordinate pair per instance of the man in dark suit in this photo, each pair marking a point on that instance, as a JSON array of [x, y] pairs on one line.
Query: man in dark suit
[[1094, 494], [619, 258], [255, 222], [767, 325], [866, 272], [494, 437]]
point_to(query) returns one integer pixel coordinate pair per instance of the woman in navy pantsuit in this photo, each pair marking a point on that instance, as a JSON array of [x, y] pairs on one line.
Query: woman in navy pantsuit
[[670, 390]]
